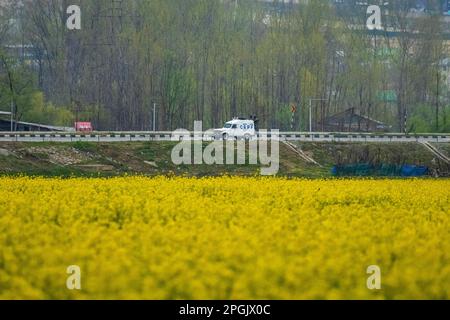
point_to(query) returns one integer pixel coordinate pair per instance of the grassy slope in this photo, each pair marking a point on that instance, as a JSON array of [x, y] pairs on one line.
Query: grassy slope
[[154, 158]]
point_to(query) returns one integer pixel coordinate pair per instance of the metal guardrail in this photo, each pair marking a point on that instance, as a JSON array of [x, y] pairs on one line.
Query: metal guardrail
[[364, 137], [170, 136]]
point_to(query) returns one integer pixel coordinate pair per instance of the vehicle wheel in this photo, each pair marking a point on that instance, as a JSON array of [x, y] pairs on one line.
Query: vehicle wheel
[[225, 136], [247, 137]]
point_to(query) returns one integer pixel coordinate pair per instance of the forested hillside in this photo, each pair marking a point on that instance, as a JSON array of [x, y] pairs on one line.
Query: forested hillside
[[211, 60]]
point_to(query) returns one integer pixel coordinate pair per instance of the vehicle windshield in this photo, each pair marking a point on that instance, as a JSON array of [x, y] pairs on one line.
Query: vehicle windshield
[[227, 125]]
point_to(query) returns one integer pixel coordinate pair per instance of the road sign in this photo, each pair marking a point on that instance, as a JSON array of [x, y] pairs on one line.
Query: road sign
[[293, 108]]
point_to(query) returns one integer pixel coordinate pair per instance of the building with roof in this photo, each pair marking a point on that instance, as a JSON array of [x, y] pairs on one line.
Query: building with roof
[[22, 126], [351, 120]]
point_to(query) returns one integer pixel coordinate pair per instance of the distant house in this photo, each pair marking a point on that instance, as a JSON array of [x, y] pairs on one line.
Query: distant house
[[25, 52], [352, 121]]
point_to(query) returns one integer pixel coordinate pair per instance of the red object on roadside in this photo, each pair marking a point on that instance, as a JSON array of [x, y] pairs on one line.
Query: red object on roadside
[[83, 126]]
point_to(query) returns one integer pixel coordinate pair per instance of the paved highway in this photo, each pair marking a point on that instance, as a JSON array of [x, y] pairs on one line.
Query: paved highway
[[169, 136]]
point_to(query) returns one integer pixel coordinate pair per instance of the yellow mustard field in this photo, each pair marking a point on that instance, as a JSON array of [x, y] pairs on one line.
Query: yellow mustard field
[[224, 238]]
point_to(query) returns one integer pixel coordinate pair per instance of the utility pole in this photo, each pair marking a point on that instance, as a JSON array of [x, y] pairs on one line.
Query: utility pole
[[310, 111], [12, 114], [437, 100], [154, 116]]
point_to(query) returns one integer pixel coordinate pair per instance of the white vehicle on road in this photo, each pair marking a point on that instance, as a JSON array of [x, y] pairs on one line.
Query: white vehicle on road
[[237, 128]]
